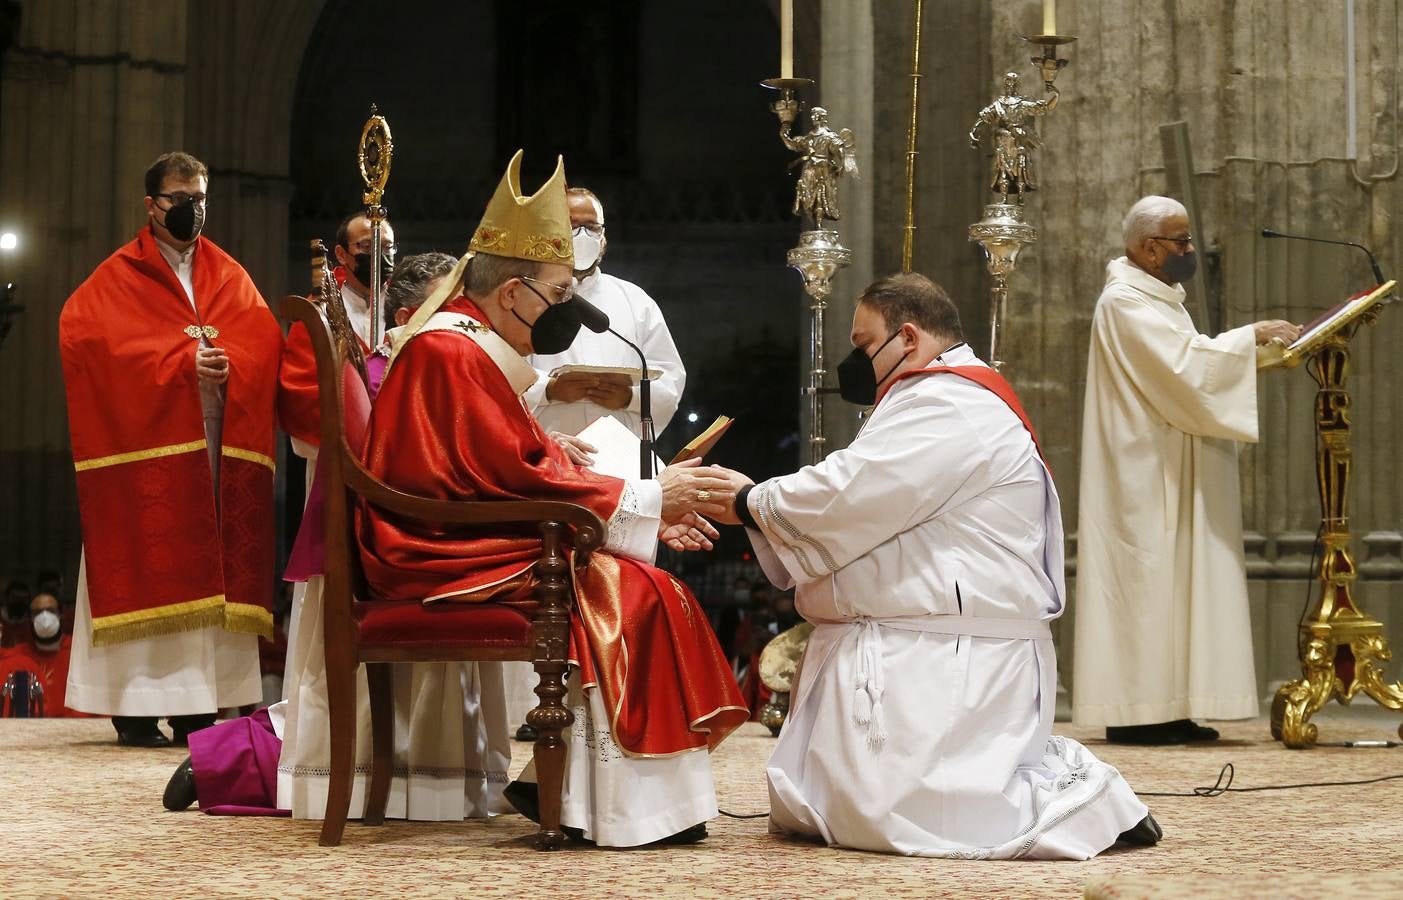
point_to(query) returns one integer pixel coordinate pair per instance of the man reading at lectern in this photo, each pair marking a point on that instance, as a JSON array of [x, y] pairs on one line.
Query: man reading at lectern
[[928, 555], [1162, 629]]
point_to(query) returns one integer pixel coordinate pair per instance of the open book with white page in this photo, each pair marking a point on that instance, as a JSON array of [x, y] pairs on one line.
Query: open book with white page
[[616, 448]]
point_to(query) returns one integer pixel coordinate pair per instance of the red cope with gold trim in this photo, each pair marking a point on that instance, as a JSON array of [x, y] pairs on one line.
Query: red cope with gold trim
[[446, 424], [162, 555]]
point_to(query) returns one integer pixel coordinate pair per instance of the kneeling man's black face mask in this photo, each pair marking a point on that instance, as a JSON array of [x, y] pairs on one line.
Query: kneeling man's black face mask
[[857, 380]]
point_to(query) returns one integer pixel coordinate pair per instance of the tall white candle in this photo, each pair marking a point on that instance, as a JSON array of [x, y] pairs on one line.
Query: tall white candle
[[1049, 16], [786, 38]]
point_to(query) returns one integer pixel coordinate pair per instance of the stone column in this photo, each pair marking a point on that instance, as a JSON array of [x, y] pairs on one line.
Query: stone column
[[847, 92], [91, 93]]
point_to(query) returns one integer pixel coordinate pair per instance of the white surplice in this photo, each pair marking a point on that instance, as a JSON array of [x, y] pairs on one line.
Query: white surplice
[[1162, 628], [637, 317], [187, 673], [929, 556], [453, 731]]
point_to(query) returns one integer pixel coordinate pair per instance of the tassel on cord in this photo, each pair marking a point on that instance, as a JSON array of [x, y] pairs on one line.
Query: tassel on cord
[[867, 704]]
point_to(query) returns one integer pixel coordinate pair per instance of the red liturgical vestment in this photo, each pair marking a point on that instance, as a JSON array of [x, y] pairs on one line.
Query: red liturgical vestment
[[165, 553], [449, 423]]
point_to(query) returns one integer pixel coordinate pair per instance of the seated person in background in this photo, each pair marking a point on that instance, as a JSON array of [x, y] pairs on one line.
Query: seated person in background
[[44, 654], [928, 556]]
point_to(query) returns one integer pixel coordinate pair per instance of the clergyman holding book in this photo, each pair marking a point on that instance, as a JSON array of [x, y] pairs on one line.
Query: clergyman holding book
[[574, 388]]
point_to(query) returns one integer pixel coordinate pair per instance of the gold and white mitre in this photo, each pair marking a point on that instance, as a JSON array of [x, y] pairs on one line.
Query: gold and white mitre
[[534, 228]]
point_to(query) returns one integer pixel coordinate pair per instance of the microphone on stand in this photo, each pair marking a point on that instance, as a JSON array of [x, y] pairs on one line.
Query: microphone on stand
[[1373, 263], [596, 320]]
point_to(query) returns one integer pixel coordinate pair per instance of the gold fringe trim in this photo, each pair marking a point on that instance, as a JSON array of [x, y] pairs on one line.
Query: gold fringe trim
[[245, 618], [148, 623], [250, 456], [117, 459], [209, 612]]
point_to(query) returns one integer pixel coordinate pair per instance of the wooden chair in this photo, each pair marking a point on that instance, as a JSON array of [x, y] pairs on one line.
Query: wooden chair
[[381, 632]]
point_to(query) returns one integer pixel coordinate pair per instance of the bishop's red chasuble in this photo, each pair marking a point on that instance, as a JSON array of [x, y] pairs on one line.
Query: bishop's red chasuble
[[164, 554], [448, 424]]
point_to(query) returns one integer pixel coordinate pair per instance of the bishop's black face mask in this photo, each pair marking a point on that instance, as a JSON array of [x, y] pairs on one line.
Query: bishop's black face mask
[[362, 269], [555, 329], [185, 221], [857, 380]]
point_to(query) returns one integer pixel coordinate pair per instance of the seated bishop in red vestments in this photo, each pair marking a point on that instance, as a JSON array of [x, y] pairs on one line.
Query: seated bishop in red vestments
[[651, 689]]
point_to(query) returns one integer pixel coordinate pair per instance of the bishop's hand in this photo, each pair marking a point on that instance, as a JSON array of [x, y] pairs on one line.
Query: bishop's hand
[[691, 532], [690, 487], [581, 453]]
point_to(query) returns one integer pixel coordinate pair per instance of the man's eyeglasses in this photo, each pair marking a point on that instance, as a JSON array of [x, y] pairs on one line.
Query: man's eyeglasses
[[180, 198], [567, 291], [594, 228], [1182, 242]]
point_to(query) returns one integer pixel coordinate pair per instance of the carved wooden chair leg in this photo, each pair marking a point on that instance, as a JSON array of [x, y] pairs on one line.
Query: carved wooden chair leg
[[550, 718], [550, 633], [341, 707], [382, 730]]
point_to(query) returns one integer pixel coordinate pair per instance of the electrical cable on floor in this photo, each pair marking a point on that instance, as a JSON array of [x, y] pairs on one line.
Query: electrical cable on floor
[[732, 815], [1221, 787]]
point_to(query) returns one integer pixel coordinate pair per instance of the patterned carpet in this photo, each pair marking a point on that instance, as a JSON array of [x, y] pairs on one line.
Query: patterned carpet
[[82, 817]]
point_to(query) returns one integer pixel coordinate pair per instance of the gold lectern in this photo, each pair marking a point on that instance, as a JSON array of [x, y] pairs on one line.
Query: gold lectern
[[1342, 649]]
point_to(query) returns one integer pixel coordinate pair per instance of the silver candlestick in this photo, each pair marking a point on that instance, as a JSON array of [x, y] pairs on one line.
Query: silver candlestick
[[825, 156], [1009, 124]]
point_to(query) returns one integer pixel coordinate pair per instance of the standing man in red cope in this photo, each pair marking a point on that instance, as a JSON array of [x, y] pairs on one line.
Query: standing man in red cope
[[170, 360]]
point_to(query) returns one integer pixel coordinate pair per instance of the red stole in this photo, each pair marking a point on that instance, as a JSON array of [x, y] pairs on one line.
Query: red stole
[[986, 377], [161, 559]]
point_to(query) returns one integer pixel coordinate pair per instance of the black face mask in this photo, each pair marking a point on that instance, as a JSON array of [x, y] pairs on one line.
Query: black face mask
[[857, 381], [555, 329], [1180, 268], [362, 269], [184, 222]]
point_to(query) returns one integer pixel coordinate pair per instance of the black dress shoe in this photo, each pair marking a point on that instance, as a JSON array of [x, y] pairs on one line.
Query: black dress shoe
[[1146, 834], [184, 726], [526, 733], [1194, 732], [1157, 734], [139, 731], [180, 790]]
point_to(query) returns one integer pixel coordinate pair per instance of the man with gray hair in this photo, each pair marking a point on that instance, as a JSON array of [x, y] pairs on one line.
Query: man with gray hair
[[1162, 629]]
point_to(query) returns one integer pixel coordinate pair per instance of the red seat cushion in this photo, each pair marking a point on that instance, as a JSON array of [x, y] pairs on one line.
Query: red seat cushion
[[465, 625]]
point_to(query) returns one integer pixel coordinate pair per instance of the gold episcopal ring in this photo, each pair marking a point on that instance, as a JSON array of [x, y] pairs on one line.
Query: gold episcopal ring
[[703, 496]]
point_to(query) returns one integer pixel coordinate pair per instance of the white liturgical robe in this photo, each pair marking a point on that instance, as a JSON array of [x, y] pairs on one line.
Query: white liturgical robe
[[928, 554], [1162, 628], [637, 317]]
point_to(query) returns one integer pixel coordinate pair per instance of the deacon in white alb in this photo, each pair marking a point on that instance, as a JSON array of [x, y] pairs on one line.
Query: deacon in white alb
[[928, 555], [1162, 630]]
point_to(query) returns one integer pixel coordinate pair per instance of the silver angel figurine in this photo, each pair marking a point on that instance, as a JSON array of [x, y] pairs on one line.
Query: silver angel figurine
[[827, 156], [1009, 119]]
